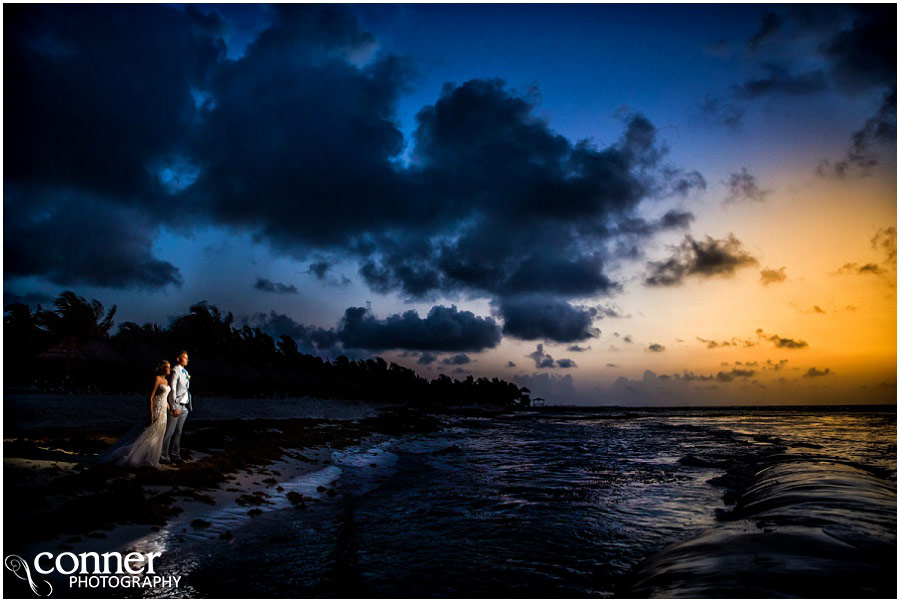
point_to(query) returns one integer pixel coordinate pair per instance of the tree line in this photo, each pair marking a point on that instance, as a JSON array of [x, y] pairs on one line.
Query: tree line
[[69, 349]]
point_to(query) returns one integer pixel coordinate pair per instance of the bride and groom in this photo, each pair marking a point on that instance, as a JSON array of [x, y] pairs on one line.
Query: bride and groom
[[160, 442]]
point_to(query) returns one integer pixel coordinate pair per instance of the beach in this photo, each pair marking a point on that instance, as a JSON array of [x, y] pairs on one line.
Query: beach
[[349, 499], [244, 457]]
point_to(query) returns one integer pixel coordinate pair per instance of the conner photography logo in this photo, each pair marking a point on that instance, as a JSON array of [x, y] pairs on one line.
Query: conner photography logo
[[90, 570]]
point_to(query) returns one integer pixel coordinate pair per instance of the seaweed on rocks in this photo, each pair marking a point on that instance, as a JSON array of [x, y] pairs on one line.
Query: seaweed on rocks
[[102, 495]]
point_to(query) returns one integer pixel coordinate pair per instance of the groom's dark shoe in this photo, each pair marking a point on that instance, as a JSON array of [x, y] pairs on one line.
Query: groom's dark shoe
[[164, 460], [177, 460]]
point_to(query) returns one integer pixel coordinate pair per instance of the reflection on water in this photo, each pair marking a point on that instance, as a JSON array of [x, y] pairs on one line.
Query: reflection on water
[[542, 505]]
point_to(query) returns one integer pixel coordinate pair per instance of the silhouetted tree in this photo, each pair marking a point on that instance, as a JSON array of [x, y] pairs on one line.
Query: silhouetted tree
[[75, 317], [225, 360]]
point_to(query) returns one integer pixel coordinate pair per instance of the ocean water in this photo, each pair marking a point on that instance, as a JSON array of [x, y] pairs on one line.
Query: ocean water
[[543, 504]]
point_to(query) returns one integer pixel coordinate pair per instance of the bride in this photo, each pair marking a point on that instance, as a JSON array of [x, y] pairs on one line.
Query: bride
[[142, 444]]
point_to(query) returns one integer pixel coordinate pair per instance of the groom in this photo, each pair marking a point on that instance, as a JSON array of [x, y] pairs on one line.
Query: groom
[[179, 407]]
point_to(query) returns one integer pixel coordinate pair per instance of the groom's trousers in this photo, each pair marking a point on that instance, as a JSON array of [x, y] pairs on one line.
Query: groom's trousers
[[173, 433]]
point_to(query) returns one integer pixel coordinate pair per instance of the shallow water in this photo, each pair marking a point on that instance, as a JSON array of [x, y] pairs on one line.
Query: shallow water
[[539, 505]]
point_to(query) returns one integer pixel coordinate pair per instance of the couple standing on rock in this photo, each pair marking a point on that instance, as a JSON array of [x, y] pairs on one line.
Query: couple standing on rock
[[170, 404]]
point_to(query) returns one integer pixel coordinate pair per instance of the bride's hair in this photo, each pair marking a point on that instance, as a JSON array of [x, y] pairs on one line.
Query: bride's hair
[[161, 368]]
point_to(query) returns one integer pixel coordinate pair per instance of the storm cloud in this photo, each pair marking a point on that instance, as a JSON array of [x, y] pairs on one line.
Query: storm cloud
[[443, 329], [296, 142], [72, 238], [83, 199], [309, 339], [538, 317]]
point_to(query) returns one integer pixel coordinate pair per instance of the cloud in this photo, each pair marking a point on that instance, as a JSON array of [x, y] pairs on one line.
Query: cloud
[[481, 152], [639, 227], [727, 377], [578, 348], [612, 365], [296, 123], [864, 55], [545, 360], [710, 344], [656, 347], [885, 239], [722, 112], [29, 299], [305, 119], [267, 286], [769, 25], [309, 339], [72, 239], [734, 342], [427, 358], [868, 143], [555, 388], [541, 359], [444, 329], [855, 268], [782, 342], [769, 276], [688, 376], [856, 46], [482, 168], [780, 81], [610, 310], [510, 364], [540, 317], [86, 121], [743, 187], [319, 269], [96, 121], [776, 366], [699, 258], [813, 373], [456, 360]]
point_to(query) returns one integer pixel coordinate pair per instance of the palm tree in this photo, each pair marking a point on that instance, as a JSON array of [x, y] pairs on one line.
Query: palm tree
[[76, 318]]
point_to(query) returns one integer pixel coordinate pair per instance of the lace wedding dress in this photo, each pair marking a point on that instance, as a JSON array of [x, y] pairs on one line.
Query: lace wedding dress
[[142, 444]]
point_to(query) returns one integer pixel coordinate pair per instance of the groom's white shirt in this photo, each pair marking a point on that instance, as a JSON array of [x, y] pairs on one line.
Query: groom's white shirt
[[180, 383]]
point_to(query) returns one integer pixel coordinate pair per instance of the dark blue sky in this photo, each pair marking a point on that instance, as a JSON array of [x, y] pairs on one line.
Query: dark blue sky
[[544, 169]]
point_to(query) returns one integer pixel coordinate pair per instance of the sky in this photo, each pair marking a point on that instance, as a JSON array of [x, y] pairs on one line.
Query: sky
[[608, 204]]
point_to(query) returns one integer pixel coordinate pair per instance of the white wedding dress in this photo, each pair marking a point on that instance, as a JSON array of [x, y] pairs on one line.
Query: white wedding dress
[[142, 445]]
